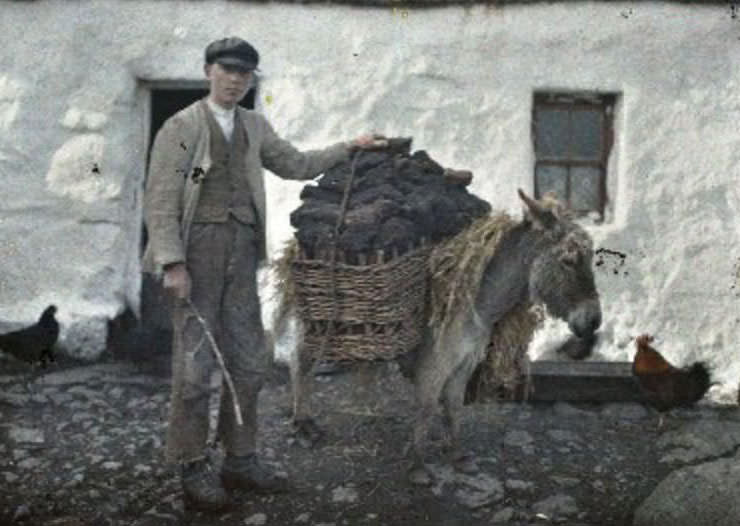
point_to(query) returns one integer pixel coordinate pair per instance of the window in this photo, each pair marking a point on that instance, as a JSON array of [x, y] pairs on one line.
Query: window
[[573, 135]]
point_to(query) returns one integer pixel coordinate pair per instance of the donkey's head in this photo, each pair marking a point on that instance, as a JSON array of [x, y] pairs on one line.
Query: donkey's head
[[561, 274]]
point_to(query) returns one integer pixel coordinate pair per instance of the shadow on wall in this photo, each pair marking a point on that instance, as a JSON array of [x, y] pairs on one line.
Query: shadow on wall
[[146, 342]]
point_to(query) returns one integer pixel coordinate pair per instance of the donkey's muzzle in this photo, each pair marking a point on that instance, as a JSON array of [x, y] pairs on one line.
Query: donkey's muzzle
[[585, 320]]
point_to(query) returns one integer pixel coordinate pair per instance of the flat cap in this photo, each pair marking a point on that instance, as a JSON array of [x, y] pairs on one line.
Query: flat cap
[[232, 51]]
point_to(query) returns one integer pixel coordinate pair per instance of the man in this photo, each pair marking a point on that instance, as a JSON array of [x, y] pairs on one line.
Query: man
[[205, 215]]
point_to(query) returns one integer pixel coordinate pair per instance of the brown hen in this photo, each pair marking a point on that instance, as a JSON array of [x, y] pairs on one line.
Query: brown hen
[[664, 385]]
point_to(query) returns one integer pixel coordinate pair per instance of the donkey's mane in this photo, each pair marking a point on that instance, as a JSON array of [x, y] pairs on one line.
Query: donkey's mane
[[456, 267]]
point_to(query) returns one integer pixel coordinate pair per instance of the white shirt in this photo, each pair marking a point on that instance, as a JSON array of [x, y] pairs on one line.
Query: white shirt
[[224, 117]]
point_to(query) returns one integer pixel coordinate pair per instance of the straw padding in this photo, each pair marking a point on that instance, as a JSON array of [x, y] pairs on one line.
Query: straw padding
[[456, 268]]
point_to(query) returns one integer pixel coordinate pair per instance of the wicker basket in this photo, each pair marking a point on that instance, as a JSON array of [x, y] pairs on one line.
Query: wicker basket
[[377, 308]]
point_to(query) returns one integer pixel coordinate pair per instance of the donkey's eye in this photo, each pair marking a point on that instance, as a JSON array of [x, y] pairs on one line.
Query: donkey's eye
[[569, 260]]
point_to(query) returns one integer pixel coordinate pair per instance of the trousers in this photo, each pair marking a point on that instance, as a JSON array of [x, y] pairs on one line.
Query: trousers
[[222, 263]]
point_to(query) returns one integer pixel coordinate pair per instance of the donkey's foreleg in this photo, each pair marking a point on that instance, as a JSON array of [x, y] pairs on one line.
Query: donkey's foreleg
[[306, 432]]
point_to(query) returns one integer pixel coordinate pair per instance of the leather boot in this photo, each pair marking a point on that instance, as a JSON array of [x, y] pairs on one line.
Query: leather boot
[[201, 486], [247, 472]]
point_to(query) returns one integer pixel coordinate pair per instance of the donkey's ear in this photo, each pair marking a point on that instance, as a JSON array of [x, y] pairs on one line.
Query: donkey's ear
[[537, 213]]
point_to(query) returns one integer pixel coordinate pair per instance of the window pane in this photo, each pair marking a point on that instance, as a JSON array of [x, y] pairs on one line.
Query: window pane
[[551, 179], [584, 188], [587, 133], [551, 133]]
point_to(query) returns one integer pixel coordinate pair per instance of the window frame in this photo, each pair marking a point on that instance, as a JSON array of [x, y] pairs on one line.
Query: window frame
[[576, 101]]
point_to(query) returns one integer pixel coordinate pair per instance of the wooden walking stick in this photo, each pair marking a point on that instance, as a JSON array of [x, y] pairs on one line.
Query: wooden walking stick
[[220, 359]]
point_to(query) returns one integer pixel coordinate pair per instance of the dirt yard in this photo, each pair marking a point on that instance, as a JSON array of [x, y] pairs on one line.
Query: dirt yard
[[82, 445]]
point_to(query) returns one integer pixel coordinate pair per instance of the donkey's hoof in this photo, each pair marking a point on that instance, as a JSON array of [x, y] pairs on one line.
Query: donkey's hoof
[[420, 476], [307, 433], [466, 463]]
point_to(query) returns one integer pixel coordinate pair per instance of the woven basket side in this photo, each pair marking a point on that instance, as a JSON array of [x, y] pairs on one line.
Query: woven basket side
[[377, 309]]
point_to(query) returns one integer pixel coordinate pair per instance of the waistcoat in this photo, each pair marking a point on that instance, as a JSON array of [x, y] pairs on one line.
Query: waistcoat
[[225, 189]]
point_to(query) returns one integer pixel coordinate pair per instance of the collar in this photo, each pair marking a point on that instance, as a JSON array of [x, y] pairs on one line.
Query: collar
[[220, 111]]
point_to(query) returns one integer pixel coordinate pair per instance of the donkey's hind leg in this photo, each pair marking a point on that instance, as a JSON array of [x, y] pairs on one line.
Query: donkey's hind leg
[[305, 430], [452, 402], [431, 371]]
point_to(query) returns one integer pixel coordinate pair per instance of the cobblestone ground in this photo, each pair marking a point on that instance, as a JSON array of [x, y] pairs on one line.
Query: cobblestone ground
[[83, 445]]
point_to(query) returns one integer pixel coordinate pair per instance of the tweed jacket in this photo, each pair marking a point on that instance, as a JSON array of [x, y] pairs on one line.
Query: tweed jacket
[[180, 157]]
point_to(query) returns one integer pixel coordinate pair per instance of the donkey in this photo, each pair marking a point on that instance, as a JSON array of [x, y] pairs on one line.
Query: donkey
[[546, 258]]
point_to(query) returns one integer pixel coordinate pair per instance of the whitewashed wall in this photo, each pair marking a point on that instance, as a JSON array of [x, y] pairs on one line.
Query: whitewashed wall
[[459, 80]]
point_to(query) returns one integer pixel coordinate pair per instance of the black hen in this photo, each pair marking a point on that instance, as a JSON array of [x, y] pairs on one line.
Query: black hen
[[35, 343]]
